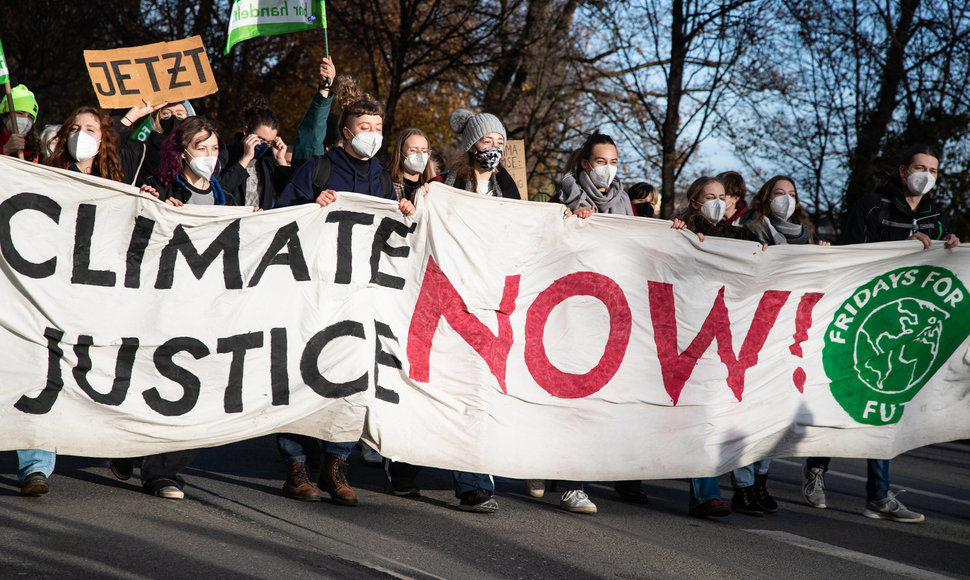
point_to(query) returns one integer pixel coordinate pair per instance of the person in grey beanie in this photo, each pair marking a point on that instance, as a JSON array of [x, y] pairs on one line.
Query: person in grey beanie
[[478, 168]]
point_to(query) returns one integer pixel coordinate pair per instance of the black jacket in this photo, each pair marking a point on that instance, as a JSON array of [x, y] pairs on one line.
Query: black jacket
[[272, 176], [884, 216]]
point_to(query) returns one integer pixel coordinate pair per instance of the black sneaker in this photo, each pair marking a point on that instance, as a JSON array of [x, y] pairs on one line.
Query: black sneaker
[[35, 485], [745, 502], [404, 488], [479, 501], [765, 501], [121, 468]]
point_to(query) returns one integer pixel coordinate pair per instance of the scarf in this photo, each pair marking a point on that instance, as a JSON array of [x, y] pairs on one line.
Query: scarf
[[785, 232], [581, 192]]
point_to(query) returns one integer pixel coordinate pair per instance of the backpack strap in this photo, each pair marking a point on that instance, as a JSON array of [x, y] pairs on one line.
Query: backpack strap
[[387, 188], [321, 174]]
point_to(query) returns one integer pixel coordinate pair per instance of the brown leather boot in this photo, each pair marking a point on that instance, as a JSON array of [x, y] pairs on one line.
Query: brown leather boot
[[333, 480], [298, 485]]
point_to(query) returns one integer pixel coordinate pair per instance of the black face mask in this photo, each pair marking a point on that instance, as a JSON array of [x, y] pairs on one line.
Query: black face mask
[[644, 209], [168, 124]]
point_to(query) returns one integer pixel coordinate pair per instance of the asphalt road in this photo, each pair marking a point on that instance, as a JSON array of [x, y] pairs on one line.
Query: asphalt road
[[234, 523]]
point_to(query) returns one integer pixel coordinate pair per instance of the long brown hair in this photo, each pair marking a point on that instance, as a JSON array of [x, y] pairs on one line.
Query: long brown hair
[[397, 165], [107, 162], [691, 215], [761, 206]]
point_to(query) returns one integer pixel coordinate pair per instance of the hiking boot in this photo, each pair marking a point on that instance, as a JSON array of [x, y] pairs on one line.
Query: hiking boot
[[767, 503], [813, 486], [479, 501], [746, 502], [577, 501], [121, 468], [169, 492], [713, 507], [298, 485], [535, 487], [333, 480], [35, 485], [890, 508]]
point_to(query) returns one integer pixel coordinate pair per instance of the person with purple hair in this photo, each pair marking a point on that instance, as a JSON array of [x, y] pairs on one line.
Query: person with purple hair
[[187, 170]]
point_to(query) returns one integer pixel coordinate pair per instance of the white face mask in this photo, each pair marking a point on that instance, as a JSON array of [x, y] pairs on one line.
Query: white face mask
[[602, 175], [204, 167], [416, 162], [82, 146], [23, 125], [713, 209], [920, 183], [367, 144], [783, 206]]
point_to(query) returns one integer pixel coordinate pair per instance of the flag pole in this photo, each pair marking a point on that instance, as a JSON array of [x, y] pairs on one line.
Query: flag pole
[[12, 112]]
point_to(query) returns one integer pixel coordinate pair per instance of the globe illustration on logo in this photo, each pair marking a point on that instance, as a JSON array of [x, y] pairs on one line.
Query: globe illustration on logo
[[897, 344]]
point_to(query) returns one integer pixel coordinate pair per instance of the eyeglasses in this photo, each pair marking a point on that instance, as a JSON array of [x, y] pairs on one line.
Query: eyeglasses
[[168, 115]]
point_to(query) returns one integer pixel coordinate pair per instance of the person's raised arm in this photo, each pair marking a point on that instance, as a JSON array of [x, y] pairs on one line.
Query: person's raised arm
[[313, 128]]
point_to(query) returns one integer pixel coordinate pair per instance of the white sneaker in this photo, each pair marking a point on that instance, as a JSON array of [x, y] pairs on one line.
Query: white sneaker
[[577, 501], [535, 487], [170, 492]]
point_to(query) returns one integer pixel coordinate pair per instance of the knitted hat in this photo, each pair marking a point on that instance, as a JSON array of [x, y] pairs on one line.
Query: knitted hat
[[473, 127], [23, 100]]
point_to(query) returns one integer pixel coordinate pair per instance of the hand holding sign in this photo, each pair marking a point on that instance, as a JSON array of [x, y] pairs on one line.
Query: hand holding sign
[[154, 73]]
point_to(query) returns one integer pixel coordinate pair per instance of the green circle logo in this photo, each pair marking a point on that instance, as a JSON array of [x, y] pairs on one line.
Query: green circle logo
[[890, 337]]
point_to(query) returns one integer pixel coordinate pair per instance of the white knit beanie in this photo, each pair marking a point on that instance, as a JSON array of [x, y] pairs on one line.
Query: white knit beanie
[[473, 127]]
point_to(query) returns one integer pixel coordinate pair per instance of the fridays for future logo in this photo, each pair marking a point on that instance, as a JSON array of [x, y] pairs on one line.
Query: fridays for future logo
[[891, 335]]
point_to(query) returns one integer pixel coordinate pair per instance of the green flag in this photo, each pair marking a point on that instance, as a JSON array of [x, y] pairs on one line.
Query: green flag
[[4, 73], [252, 18]]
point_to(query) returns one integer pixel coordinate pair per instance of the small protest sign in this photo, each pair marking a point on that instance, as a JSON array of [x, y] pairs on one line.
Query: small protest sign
[[163, 72], [514, 158]]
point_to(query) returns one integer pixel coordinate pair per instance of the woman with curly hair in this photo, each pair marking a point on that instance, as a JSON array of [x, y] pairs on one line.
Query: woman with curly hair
[[88, 142]]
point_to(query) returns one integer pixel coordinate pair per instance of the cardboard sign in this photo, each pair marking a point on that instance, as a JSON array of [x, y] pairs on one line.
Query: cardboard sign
[[164, 72], [514, 159]]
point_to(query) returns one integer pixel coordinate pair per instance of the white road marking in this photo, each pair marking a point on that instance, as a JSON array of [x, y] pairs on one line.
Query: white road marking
[[909, 490], [895, 568]]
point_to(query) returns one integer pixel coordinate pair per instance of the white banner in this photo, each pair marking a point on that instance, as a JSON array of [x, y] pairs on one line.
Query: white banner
[[484, 335]]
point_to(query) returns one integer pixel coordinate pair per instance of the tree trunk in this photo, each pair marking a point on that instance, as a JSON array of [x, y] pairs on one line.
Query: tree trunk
[[872, 131], [671, 123]]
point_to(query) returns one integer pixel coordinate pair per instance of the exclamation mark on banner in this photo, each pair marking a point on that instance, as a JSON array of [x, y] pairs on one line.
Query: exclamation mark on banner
[[803, 321]]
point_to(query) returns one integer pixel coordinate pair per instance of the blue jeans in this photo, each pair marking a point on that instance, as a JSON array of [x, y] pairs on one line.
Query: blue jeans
[[296, 447], [744, 476], [466, 482], [877, 472], [703, 489], [34, 461]]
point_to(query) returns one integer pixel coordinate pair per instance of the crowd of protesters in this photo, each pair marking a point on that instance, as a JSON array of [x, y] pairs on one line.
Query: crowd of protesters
[[185, 160]]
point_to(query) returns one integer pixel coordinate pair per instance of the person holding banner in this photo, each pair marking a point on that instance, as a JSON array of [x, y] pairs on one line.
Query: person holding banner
[[899, 209], [187, 170], [478, 168], [19, 139], [704, 215], [412, 165], [349, 167], [590, 184], [262, 154]]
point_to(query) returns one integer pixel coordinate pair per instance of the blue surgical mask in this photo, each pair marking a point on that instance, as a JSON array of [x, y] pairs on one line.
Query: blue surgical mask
[[260, 149]]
